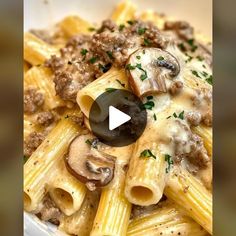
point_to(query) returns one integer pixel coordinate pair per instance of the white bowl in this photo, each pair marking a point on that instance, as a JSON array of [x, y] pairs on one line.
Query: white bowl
[[44, 13]]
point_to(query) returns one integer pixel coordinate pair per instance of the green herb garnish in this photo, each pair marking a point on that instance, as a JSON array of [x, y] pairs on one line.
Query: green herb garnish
[[141, 30], [199, 58], [182, 47], [155, 117], [146, 42], [138, 57], [93, 60], [144, 75], [160, 58], [92, 142], [130, 67], [169, 161], [130, 22], [91, 29], [209, 80], [148, 105], [168, 117], [149, 97], [147, 153], [109, 53], [194, 72], [181, 115], [83, 52], [121, 27]]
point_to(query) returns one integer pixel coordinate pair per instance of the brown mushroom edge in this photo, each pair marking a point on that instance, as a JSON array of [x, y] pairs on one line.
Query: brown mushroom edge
[[89, 165], [148, 69]]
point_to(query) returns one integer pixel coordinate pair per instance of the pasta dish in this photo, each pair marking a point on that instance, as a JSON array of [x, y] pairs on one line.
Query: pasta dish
[[161, 184]]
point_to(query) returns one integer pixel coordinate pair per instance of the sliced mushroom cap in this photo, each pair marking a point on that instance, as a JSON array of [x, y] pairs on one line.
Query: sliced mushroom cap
[[148, 70], [89, 165]]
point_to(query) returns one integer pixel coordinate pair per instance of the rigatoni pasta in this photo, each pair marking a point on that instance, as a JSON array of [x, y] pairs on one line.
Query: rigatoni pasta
[[36, 51], [74, 176], [39, 168]]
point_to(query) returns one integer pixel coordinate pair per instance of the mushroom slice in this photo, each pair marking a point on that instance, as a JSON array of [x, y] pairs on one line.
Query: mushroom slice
[[89, 165], [148, 70]]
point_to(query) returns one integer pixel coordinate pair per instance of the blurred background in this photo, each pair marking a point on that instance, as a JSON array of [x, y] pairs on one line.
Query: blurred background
[[11, 33]]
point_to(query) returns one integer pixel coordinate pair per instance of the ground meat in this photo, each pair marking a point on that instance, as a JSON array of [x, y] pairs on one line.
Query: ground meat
[[49, 211], [86, 57], [32, 142], [207, 118], [202, 101], [45, 118], [108, 25], [78, 119], [176, 87], [191, 148], [33, 100], [182, 29], [194, 118]]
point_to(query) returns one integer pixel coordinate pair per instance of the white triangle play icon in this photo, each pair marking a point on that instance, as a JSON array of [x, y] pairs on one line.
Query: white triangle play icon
[[117, 118]]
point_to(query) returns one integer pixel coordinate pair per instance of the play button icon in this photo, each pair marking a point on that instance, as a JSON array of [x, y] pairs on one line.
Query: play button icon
[[117, 117]]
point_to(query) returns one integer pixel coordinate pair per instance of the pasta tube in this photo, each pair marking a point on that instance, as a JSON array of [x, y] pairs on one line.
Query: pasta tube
[[114, 209], [81, 222], [124, 11], [42, 79], [189, 193], [38, 168], [114, 78], [206, 134], [36, 51], [73, 25], [65, 190], [165, 220], [146, 175]]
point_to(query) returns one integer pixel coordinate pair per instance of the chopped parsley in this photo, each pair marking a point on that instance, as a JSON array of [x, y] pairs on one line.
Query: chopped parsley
[[121, 27], [189, 58], [148, 105], [91, 29], [144, 51], [130, 67], [110, 90], [160, 58], [147, 153], [146, 42], [123, 85], [180, 115], [83, 52], [93, 60], [209, 80], [109, 53], [155, 117], [169, 161], [182, 47], [144, 75], [130, 22], [193, 46], [204, 73], [149, 97], [139, 66], [138, 57], [141, 30], [199, 58], [104, 68], [92, 142], [194, 72]]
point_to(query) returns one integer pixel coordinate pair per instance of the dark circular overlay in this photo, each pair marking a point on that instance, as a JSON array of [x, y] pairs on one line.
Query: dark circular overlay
[[126, 102]]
